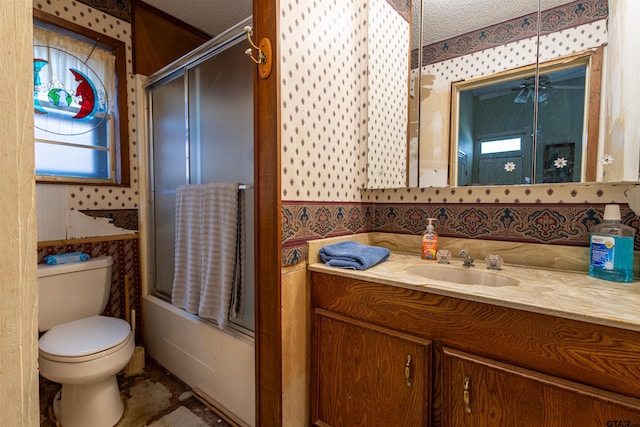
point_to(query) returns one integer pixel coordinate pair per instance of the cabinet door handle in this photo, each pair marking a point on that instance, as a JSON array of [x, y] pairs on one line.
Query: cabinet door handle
[[407, 371], [466, 394]]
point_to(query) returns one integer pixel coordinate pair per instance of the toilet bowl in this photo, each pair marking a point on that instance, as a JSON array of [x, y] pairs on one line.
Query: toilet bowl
[[84, 356], [81, 349]]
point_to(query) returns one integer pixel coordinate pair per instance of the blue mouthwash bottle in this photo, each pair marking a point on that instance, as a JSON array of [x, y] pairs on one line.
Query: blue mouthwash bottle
[[612, 248]]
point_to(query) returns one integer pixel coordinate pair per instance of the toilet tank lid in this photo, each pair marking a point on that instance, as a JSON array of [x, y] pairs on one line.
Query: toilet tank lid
[[84, 336], [45, 270]]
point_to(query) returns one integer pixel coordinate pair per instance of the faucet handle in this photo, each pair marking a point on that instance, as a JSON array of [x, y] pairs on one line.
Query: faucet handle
[[443, 256], [494, 262]]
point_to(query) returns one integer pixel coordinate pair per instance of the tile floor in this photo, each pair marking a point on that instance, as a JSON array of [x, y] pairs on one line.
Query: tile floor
[[153, 398]]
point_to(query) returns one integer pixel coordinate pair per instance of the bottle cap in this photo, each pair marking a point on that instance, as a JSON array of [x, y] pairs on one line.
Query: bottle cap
[[611, 213]]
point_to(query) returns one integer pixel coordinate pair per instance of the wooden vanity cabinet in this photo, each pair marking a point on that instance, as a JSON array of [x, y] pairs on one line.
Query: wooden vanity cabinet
[[368, 376], [476, 364], [481, 392]]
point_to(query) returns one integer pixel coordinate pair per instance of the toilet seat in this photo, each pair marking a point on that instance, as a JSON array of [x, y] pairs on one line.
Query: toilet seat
[[85, 339]]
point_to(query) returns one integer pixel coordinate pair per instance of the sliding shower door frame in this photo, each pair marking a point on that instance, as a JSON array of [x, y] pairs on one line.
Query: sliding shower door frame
[[182, 69]]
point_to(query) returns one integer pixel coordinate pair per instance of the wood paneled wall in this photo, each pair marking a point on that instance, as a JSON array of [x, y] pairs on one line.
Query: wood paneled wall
[[159, 38]]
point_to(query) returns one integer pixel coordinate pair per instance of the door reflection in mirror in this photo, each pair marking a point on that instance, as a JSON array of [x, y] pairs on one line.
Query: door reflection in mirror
[[493, 126]]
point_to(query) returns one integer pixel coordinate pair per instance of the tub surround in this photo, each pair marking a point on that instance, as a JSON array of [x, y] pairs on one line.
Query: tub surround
[[565, 290], [221, 365]]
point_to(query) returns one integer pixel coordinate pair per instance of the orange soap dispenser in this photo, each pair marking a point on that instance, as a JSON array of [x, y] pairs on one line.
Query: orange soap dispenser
[[430, 241]]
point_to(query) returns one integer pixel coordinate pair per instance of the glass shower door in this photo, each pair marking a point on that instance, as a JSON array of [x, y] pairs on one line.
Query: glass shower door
[[168, 170], [202, 132]]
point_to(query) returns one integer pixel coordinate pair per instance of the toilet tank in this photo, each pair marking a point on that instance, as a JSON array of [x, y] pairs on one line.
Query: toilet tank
[[72, 291]]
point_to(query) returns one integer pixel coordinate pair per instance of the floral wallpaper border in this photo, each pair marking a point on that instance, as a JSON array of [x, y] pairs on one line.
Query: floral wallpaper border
[[123, 218], [403, 7], [304, 221], [559, 18], [566, 224]]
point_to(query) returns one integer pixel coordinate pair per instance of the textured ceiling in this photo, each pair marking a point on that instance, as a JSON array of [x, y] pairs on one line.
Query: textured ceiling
[[447, 18], [210, 16], [443, 18]]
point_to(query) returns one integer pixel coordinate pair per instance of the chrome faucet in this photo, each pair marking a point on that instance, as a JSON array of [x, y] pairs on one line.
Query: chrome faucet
[[467, 261]]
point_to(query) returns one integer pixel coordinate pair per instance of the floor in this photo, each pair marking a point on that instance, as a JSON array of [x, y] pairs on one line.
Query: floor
[[152, 398]]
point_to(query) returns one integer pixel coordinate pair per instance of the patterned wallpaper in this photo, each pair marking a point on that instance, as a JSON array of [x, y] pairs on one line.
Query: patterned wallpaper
[[308, 220], [437, 79], [324, 151], [122, 218], [119, 8], [387, 109], [324, 148], [553, 20], [104, 197], [330, 202], [552, 223], [520, 53]]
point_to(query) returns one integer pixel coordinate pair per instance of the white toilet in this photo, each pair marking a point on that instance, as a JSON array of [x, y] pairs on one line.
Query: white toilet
[[82, 350]]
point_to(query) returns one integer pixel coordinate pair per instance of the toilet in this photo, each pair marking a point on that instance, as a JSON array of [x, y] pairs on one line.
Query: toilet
[[81, 349]]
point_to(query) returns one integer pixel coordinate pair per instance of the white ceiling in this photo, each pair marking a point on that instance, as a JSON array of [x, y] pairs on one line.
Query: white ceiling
[[447, 18], [443, 18]]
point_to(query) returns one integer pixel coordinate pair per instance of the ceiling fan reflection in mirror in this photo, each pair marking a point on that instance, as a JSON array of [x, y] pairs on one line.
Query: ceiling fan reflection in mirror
[[526, 90], [524, 87]]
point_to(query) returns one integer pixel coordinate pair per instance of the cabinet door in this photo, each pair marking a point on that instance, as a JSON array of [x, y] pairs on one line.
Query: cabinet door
[[365, 375], [481, 392]]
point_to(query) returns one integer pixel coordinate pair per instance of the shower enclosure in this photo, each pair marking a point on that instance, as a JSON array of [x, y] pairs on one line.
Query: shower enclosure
[[200, 112], [201, 131]]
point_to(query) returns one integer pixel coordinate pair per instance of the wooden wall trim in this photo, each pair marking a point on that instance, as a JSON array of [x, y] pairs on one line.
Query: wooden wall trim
[[98, 239], [593, 119], [268, 226]]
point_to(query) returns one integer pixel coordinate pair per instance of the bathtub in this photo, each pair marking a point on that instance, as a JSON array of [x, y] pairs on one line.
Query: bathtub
[[201, 355]]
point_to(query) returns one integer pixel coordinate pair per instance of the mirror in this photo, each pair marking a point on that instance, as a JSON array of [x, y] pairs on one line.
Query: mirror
[[493, 119], [466, 41], [389, 99]]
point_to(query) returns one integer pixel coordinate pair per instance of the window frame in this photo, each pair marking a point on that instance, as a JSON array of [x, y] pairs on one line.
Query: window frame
[[120, 151]]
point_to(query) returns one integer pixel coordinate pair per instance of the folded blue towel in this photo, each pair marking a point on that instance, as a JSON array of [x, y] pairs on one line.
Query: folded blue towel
[[65, 258], [353, 255]]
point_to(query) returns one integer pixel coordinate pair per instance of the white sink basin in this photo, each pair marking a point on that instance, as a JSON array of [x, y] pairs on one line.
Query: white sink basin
[[462, 275]]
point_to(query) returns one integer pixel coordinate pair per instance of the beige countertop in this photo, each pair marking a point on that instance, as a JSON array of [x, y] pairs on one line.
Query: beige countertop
[[572, 295]]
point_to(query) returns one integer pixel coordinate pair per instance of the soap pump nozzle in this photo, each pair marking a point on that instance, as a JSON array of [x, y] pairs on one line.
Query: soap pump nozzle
[[430, 226]]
